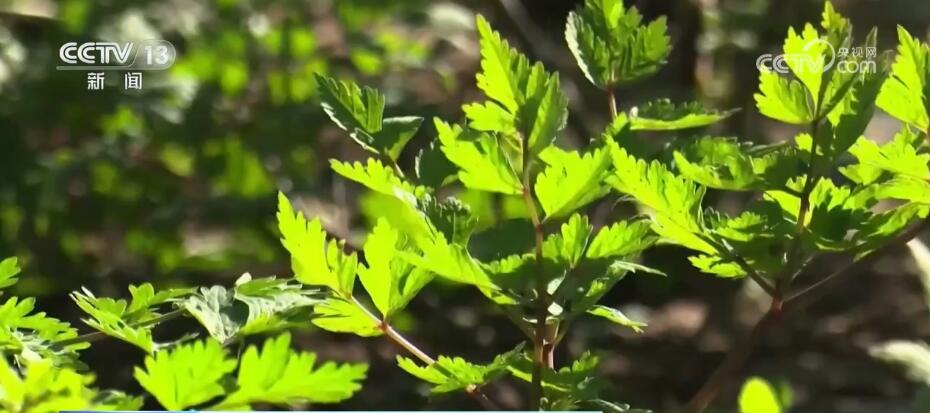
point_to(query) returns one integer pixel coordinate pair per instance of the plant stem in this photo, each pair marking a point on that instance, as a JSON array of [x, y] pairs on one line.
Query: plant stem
[[734, 359], [898, 241], [395, 337], [99, 335], [542, 350], [612, 101]]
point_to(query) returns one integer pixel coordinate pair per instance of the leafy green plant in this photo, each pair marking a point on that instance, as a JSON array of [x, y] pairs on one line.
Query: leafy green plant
[[47, 376], [816, 196]]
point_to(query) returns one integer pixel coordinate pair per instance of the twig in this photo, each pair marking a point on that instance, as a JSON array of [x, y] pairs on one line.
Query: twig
[[395, 337], [897, 242], [734, 359], [542, 351]]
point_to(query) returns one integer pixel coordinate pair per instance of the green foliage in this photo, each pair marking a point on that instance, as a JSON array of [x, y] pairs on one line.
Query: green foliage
[[278, 375], [187, 375], [663, 115], [252, 307], [549, 258], [449, 374], [9, 268], [612, 46], [315, 260], [360, 111], [43, 388], [906, 94]]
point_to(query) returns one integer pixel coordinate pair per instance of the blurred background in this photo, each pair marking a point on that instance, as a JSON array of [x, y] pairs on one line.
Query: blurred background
[[175, 183]]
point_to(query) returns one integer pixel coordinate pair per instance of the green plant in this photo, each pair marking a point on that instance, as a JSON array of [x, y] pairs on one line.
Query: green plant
[[47, 376], [816, 197]]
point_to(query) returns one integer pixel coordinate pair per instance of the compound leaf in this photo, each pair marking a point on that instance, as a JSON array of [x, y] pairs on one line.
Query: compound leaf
[[187, 375]]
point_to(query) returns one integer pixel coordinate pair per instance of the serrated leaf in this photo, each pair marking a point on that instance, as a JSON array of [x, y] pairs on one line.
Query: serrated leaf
[[808, 62], [278, 375], [375, 176], [252, 307], [569, 245], [621, 239], [315, 260], [360, 111], [610, 44], [899, 156], [675, 202], [187, 375], [571, 180], [725, 163], [389, 280], [9, 268], [44, 387], [107, 316], [503, 69], [527, 105], [664, 115], [617, 317], [341, 316], [449, 374], [783, 99], [31, 336], [904, 95], [483, 164]]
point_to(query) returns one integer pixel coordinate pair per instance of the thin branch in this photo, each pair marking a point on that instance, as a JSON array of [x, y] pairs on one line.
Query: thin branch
[[734, 360], [897, 242], [542, 352], [612, 103], [395, 337]]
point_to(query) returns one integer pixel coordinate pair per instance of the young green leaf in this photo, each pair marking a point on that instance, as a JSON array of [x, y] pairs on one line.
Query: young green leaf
[[611, 45], [46, 388], [662, 114], [905, 94], [187, 375], [9, 267], [483, 164], [808, 62], [360, 111], [571, 180], [450, 374], [621, 239], [617, 317], [278, 375], [390, 281], [525, 98], [341, 316], [30, 336], [783, 99], [675, 202], [569, 246], [252, 307], [110, 317], [375, 176], [315, 260]]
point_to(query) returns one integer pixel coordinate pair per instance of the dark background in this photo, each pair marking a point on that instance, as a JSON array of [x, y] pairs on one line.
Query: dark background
[[176, 184]]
